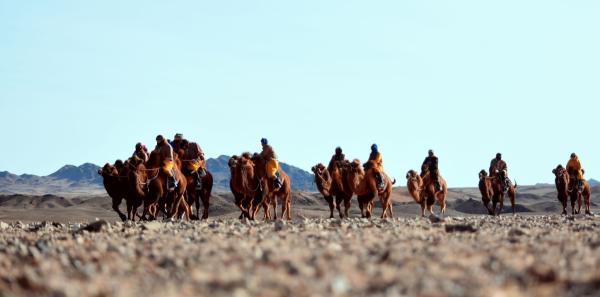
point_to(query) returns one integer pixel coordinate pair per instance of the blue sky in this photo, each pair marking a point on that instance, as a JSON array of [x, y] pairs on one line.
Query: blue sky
[[83, 81]]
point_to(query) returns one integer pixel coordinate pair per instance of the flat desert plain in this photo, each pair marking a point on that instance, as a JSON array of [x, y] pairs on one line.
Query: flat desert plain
[[74, 246]]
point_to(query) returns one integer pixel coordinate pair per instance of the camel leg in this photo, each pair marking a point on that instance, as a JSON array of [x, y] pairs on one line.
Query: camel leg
[[331, 204], [391, 210], [129, 208], [563, 202], [347, 205], [512, 203], [501, 206], [205, 204], [174, 208], [361, 207], [338, 205], [579, 203], [384, 205], [197, 202], [441, 198], [289, 209], [486, 204], [573, 208], [115, 206]]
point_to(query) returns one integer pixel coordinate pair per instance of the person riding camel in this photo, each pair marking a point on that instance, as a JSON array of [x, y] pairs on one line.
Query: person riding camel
[[575, 170], [141, 152], [176, 143], [166, 155], [194, 157], [498, 167], [431, 161], [377, 162], [268, 154], [336, 159]]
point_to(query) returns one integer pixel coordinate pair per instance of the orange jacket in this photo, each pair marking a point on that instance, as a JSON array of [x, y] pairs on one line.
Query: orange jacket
[[574, 165]]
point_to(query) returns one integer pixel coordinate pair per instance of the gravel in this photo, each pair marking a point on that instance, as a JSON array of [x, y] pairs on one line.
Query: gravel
[[473, 256]]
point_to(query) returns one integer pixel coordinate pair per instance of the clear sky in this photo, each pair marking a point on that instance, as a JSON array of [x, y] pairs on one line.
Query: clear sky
[[83, 81]]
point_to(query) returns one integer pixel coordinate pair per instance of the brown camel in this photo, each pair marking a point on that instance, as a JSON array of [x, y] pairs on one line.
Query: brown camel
[[270, 194], [244, 184], [577, 194], [150, 182], [115, 185], [561, 180], [501, 188], [422, 189], [364, 185], [487, 192], [324, 183], [331, 182], [191, 162]]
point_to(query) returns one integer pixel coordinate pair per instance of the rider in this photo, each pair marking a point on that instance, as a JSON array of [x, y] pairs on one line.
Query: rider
[[574, 169], [268, 154], [377, 162], [497, 165], [141, 152], [195, 165], [339, 157], [176, 143], [166, 155], [431, 161]]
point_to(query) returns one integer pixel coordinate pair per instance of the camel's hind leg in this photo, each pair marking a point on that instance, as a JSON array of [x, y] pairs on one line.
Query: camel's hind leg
[[347, 205], [385, 205], [586, 199], [338, 206], [441, 198]]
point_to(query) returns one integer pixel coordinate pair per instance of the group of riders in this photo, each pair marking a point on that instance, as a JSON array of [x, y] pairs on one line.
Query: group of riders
[[166, 150], [197, 167]]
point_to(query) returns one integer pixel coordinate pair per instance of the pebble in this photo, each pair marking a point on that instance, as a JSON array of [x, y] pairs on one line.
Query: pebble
[[464, 256]]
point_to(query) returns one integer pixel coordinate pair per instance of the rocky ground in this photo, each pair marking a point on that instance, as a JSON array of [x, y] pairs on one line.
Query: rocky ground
[[463, 256]]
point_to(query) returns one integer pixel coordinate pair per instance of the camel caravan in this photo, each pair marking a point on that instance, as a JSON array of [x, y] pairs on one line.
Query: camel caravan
[[172, 178]]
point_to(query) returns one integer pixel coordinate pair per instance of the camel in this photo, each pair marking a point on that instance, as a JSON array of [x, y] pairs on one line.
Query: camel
[[150, 182], [324, 184], [561, 181], [244, 184], [364, 185], [422, 189], [577, 194], [191, 161], [270, 194], [500, 189], [485, 187], [115, 185], [331, 182]]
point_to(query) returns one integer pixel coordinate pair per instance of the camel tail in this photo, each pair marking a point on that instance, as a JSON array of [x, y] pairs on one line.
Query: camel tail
[[516, 184], [394, 182]]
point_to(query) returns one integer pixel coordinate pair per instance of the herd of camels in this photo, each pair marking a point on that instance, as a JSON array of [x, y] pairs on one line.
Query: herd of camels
[[144, 184]]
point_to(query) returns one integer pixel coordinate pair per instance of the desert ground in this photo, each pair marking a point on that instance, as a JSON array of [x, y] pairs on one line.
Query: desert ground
[[75, 246]]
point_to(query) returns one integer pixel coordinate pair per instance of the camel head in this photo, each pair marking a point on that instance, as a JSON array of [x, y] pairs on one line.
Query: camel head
[[233, 161], [412, 177], [318, 169], [482, 174], [356, 166], [108, 170], [559, 171]]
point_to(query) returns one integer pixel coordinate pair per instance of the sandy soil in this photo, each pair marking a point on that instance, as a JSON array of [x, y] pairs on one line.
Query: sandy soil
[[465, 256]]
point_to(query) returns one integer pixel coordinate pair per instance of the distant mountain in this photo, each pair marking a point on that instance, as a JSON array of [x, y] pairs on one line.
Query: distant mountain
[[84, 179], [85, 173], [593, 182]]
